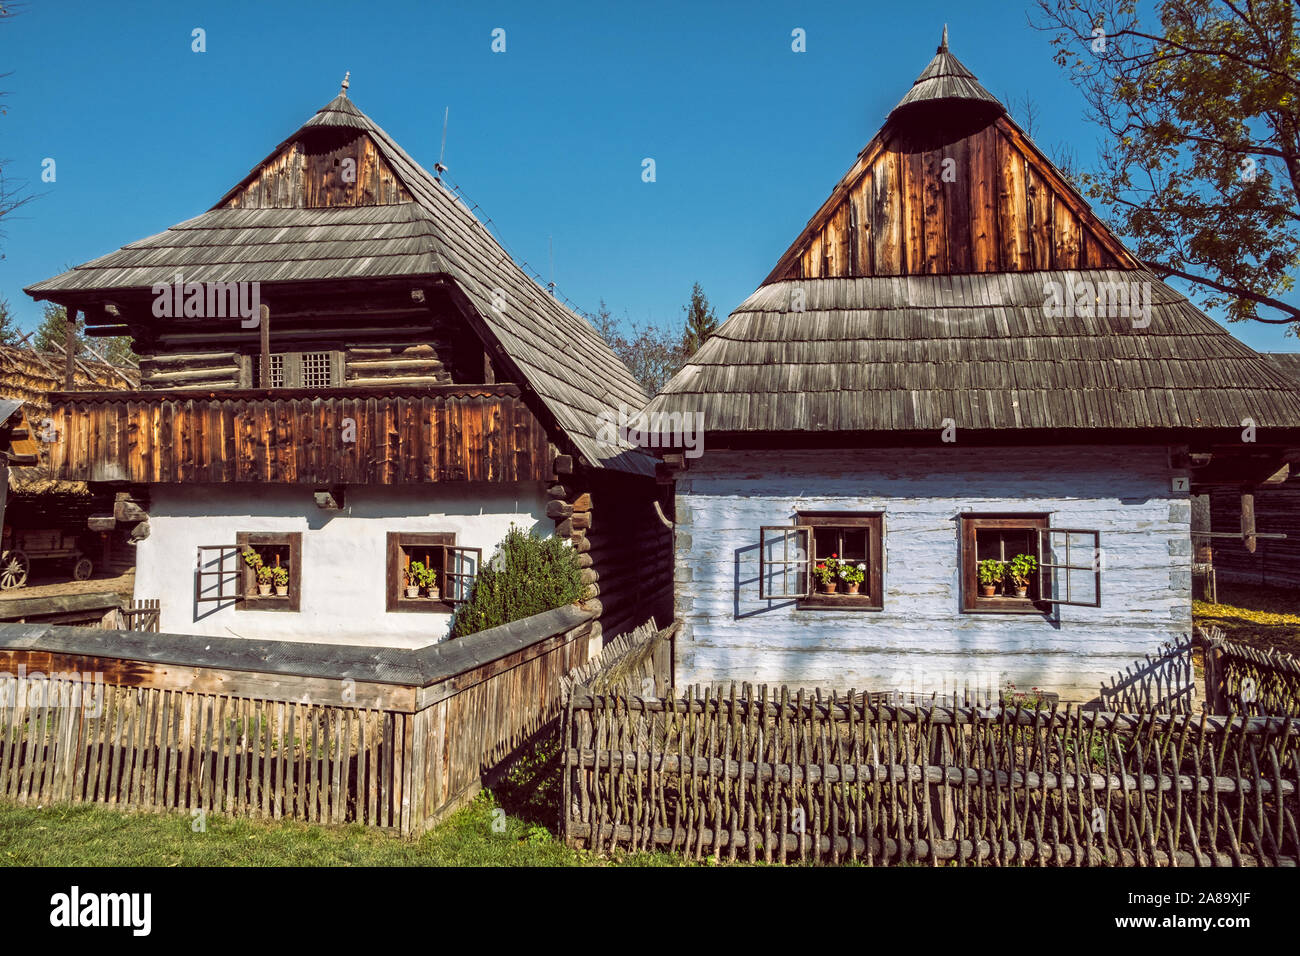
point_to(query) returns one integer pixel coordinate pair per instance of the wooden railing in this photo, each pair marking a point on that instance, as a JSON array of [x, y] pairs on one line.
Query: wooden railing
[[333, 734], [364, 435]]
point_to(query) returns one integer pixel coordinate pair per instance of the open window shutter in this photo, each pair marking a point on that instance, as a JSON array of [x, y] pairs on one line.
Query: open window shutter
[[784, 562], [1069, 566], [218, 576], [460, 567]]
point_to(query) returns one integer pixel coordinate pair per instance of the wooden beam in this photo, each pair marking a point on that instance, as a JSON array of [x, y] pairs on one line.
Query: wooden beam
[[1248, 519], [70, 349], [264, 357]]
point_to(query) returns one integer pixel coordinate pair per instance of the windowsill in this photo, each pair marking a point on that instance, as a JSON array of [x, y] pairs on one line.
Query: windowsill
[[1006, 605], [265, 602], [838, 602], [420, 605]]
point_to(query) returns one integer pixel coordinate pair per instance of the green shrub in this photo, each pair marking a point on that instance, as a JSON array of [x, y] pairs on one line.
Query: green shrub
[[527, 575]]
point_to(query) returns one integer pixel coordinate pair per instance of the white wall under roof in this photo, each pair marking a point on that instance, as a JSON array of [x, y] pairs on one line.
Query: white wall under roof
[[343, 553]]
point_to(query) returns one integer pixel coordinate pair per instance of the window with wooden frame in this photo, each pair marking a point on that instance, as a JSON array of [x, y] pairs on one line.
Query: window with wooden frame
[[1065, 566], [451, 568], [305, 369], [277, 549], [223, 577], [790, 558]]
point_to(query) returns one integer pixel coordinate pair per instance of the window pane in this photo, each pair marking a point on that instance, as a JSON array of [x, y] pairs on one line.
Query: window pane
[[277, 371], [315, 369], [854, 544], [826, 541]]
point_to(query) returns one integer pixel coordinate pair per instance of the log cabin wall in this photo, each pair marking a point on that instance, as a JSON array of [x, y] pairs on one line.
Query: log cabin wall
[[950, 201], [382, 337], [330, 167], [624, 549], [1275, 563]]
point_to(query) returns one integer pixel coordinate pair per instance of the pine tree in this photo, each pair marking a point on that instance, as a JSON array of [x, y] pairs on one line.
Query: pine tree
[[700, 321], [53, 331], [8, 324]]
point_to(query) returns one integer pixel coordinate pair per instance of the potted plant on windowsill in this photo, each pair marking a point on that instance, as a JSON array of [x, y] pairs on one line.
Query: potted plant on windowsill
[[280, 578], [852, 575], [1019, 569], [414, 570], [429, 581], [991, 572], [827, 572], [264, 578]]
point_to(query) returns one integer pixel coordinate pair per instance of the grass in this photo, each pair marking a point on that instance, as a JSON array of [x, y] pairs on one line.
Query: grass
[[87, 835], [1261, 617]]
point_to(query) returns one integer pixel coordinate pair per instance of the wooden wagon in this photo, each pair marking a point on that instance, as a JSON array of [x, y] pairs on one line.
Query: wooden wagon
[[22, 546]]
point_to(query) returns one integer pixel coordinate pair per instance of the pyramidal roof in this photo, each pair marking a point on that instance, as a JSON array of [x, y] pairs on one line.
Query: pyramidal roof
[[413, 226], [955, 275], [945, 79]]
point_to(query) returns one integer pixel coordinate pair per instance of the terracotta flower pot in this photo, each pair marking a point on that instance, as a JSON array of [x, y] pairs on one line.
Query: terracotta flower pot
[[829, 586], [852, 587]]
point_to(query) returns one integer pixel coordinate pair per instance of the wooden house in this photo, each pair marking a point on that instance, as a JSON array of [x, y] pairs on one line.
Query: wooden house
[[954, 362], [1274, 560], [342, 370]]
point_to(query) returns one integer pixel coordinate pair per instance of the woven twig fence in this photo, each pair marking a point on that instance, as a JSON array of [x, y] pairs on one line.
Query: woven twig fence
[[1246, 680], [1164, 683], [639, 661], [759, 774]]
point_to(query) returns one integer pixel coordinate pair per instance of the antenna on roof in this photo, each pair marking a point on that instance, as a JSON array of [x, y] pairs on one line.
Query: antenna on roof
[[943, 44], [550, 286], [343, 90], [438, 167]]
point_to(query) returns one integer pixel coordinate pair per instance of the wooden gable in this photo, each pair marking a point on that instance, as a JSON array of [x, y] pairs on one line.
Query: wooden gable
[[954, 200], [308, 172]]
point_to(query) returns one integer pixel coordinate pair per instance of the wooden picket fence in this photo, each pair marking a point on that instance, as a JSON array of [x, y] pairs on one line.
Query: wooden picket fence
[[74, 741], [763, 774]]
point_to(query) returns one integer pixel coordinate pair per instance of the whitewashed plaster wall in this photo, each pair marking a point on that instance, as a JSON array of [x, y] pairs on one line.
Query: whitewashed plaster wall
[[921, 641], [343, 554]]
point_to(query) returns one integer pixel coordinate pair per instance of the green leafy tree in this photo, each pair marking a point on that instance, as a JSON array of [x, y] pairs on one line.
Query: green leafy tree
[[652, 353], [52, 334], [8, 324], [1199, 104], [117, 350], [527, 575], [700, 321]]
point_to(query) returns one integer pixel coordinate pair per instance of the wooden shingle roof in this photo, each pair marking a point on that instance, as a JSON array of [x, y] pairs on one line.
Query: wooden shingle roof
[[924, 291], [558, 353], [888, 354]]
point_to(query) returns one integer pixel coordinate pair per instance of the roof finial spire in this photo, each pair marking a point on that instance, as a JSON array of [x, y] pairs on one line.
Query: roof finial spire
[[343, 90], [943, 44]]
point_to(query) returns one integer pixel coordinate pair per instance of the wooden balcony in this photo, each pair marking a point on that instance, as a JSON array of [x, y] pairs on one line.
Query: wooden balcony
[[359, 435]]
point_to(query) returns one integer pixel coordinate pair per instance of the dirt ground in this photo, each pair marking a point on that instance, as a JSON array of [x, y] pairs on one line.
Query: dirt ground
[[51, 585]]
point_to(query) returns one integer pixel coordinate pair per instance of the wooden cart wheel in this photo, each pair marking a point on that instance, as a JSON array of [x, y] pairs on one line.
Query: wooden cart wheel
[[14, 566], [81, 570]]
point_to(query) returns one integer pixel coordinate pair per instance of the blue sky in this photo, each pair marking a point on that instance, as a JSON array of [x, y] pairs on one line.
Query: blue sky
[[547, 138]]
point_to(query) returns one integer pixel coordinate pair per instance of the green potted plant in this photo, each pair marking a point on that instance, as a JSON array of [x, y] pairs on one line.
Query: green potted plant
[[413, 572], [429, 581], [991, 572], [280, 578], [264, 577], [852, 575], [828, 572], [1019, 569]]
